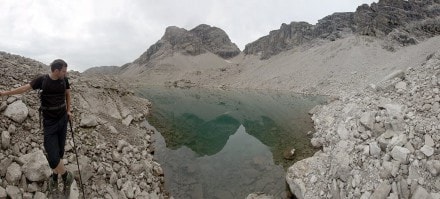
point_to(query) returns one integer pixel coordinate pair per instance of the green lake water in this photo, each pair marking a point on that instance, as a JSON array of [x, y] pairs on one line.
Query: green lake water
[[228, 144]]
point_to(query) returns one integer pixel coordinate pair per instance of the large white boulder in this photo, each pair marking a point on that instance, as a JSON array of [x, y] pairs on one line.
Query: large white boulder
[[35, 167], [17, 111]]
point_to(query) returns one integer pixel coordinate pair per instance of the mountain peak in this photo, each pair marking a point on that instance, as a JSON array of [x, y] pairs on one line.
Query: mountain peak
[[199, 40], [216, 41]]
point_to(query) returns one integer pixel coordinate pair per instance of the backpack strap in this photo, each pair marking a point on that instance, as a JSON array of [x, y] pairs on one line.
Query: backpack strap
[[40, 93], [43, 85]]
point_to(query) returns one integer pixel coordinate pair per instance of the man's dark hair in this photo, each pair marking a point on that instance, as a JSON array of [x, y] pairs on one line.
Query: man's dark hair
[[57, 64]]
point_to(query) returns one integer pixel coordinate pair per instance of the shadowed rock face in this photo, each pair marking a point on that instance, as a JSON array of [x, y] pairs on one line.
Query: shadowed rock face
[[298, 33], [181, 39], [383, 17], [401, 21], [216, 41], [199, 40], [294, 34]]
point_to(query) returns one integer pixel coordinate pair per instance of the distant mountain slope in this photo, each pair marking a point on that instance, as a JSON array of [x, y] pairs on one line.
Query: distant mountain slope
[[326, 67], [343, 65], [343, 50], [107, 70]]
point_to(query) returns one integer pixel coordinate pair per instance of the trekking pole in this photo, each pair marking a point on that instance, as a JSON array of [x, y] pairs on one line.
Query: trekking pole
[[77, 162]]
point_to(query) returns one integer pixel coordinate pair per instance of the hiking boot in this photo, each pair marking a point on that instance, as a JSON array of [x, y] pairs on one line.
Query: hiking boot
[[68, 182], [53, 185]]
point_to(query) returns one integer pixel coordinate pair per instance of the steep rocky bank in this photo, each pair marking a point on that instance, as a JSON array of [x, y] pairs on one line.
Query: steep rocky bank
[[379, 143], [111, 135]]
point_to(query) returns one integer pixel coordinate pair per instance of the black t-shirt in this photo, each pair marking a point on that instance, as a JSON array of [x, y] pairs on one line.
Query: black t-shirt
[[52, 95]]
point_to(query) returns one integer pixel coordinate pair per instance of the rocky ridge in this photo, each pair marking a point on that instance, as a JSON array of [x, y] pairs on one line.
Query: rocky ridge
[[108, 70], [111, 135], [380, 143], [400, 22], [199, 40]]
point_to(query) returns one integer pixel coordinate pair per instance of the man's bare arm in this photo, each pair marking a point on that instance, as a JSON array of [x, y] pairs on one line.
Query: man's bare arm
[[68, 100], [19, 90], [68, 103]]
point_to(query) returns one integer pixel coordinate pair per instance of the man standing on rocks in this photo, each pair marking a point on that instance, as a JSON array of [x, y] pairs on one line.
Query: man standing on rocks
[[55, 108]]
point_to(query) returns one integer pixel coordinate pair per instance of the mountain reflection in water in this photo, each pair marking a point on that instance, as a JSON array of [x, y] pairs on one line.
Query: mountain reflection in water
[[227, 144], [203, 137]]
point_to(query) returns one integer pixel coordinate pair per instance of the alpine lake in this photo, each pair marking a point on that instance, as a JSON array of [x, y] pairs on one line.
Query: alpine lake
[[213, 143]]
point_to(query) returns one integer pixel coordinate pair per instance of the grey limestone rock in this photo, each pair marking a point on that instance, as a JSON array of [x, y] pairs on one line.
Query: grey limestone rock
[[3, 193], [13, 174], [400, 154], [5, 140], [88, 120], [421, 193], [35, 167], [374, 149], [17, 111], [382, 191], [13, 192]]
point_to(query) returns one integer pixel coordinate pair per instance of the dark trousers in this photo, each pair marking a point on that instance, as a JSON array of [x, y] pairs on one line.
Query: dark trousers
[[55, 130]]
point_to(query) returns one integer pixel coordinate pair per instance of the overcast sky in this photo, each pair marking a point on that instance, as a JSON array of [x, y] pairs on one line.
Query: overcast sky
[[114, 32]]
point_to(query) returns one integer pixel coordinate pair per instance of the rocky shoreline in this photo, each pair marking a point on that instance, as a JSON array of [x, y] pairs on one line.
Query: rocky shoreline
[[382, 142], [112, 138]]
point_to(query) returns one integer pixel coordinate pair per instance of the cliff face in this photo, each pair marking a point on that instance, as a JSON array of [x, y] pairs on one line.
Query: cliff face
[[384, 17], [199, 40], [216, 41], [297, 33], [401, 22]]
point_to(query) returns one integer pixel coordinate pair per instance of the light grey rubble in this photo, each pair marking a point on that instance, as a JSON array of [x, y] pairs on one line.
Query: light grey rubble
[[383, 142], [115, 153]]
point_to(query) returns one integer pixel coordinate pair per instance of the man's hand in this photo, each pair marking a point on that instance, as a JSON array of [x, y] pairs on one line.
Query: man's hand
[[69, 115]]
